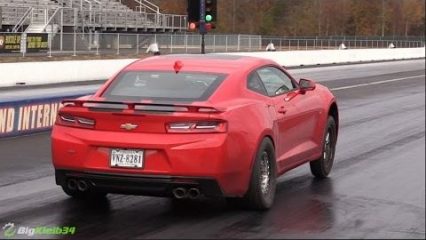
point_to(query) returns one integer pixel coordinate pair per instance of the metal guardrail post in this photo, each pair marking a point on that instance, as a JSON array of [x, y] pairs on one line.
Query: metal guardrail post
[[137, 44], [74, 35], [171, 43], [186, 43], [118, 43], [90, 40], [96, 41], [62, 31], [214, 43], [74, 44], [49, 39], [260, 42], [226, 43], [23, 44], [238, 43]]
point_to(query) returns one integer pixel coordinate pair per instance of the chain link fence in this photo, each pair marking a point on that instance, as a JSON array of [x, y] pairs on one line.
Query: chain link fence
[[74, 44]]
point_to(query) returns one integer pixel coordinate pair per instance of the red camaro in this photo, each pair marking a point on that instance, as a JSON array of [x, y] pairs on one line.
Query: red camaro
[[187, 126]]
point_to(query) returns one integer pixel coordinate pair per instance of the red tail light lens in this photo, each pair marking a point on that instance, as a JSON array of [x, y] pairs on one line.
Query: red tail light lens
[[74, 121], [197, 127]]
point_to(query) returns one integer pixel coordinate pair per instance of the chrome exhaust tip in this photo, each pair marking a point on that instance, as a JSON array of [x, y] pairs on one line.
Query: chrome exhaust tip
[[72, 184], [193, 193], [179, 193], [82, 186]]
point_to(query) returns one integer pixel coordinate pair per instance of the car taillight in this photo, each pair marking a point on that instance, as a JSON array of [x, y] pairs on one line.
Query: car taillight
[[197, 127], [74, 121]]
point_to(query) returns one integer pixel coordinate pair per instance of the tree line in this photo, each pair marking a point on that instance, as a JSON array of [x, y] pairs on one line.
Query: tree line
[[315, 17]]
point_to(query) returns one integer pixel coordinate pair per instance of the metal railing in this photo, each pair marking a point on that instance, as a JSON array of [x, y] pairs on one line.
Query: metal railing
[[94, 43], [284, 44], [96, 19], [146, 5], [23, 20]]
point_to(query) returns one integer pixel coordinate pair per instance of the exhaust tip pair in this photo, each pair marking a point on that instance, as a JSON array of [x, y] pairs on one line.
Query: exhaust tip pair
[[80, 185], [181, 193]]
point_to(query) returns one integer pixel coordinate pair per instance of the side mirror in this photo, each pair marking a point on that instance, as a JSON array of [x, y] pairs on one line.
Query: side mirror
[[306, 85]]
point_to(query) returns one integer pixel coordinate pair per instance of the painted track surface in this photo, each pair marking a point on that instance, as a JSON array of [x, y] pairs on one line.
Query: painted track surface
[[376, 189]]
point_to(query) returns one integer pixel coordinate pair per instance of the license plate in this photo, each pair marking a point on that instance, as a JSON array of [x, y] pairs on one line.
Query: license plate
[[126, 158]]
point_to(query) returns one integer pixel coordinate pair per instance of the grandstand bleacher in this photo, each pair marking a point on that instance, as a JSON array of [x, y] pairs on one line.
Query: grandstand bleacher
[[36, 16]]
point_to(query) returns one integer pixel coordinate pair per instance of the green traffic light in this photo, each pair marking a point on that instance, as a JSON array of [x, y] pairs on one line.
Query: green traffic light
[[209, 18]]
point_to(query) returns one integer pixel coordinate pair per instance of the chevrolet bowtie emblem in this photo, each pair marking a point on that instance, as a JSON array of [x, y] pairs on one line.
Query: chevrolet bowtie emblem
[[128, 126]]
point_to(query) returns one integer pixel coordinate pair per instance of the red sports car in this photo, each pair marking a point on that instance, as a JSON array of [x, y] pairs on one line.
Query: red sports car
[[187, 126]]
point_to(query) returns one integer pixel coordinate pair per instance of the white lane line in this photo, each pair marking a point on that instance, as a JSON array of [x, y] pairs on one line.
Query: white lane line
[[376, 83]]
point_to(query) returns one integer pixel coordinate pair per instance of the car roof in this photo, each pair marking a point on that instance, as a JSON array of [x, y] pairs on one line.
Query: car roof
[[214, 63]]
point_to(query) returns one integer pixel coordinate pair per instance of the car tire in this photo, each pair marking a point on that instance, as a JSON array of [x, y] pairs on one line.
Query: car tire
[[261, 192], [83, 195], [321, 167]]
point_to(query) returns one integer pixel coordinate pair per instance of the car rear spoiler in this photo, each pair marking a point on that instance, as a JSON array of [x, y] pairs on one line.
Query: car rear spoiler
[[150, 107]]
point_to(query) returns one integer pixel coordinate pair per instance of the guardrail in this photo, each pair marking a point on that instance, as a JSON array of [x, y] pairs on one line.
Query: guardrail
[[133, 44]]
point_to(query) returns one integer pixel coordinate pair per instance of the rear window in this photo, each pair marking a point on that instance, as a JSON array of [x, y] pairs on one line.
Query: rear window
[[164, 86]]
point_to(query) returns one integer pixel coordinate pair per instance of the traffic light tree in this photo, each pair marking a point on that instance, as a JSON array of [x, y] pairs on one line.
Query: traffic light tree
[[211, 14], [202, 11], [202, 16]]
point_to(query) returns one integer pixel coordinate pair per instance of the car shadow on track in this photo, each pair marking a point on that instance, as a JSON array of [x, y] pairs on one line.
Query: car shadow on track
[[302, 205]]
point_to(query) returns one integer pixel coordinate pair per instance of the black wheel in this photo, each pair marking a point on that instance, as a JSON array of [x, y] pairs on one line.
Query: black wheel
[[261, 192], [90, 194], [321, 167]]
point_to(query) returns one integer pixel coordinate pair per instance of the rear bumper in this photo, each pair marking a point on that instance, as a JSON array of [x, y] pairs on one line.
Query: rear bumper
[[220, 157], [161, 186]]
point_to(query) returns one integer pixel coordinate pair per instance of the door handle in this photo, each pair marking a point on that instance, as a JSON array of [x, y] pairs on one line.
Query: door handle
[[282, 110]]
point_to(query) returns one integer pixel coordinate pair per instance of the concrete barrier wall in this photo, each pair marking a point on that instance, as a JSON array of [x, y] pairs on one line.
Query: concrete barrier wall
[[35, 73], [318, 57]]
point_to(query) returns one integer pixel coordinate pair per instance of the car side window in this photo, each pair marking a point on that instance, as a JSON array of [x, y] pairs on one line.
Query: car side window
[[255, 84], [275, 81]]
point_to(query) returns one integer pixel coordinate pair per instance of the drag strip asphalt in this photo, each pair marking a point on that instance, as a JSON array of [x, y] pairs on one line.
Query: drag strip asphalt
[[376, 189]]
